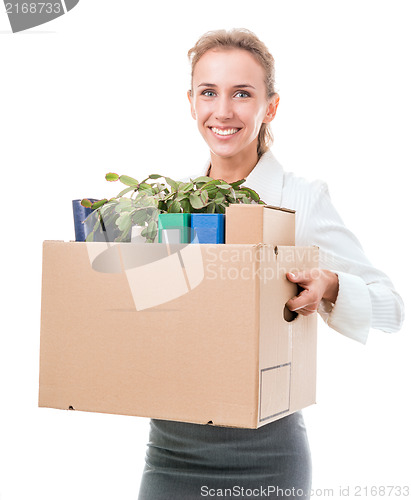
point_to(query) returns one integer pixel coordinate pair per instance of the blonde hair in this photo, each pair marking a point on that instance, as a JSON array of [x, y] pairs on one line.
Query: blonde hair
[[240, 38]]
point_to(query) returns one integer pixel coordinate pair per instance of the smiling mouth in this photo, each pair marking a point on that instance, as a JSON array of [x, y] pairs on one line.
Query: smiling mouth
[[227, 131]]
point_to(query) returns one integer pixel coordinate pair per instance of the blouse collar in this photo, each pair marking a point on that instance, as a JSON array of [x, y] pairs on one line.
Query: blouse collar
[[266, 178]]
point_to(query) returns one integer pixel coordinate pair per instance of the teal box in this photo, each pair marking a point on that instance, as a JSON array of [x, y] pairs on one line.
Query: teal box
[[207, 228], [174, 228]]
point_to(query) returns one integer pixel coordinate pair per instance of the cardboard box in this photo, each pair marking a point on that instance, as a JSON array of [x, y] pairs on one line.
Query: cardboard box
[[256, 223], [193, 333]]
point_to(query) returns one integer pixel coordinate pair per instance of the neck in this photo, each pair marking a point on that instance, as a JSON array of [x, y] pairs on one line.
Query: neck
[[233, 168]]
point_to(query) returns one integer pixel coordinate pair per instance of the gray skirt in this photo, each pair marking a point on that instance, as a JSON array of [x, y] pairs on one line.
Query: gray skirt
[[187, 461]]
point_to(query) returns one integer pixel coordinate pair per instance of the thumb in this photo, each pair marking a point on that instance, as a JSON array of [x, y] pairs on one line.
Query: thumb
[[293, 277], [301, 277]]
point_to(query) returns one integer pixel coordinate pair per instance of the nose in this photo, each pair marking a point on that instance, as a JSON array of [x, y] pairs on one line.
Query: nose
[[224, 108]]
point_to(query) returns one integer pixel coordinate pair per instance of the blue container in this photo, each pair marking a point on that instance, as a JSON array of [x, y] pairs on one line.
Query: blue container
[[207, 228], [79, 214]]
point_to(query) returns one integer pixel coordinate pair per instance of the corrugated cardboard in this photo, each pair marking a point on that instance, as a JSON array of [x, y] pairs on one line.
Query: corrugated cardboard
[[255, 223], [193, 333]]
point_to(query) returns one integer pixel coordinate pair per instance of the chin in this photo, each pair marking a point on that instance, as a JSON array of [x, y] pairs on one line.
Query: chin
[[224, 154]]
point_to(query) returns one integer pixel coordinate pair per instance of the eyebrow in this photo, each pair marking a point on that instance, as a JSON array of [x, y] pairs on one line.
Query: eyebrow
[[241, 86]]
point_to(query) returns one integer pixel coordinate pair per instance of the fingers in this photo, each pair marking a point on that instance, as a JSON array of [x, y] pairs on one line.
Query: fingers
[[302, 277], [305, 311], [302, 304], [308, 300], [305, 303]]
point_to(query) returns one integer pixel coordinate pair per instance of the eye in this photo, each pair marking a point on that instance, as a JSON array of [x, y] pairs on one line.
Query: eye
[[242, 94], [208, 93]]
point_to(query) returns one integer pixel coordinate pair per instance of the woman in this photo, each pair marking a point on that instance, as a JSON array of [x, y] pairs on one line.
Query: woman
[[233, 100]]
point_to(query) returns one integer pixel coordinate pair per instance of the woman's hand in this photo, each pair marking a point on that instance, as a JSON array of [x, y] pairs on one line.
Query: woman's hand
[[317, 284]]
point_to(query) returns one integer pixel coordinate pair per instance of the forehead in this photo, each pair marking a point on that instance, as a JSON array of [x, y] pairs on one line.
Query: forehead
[[225, 66]]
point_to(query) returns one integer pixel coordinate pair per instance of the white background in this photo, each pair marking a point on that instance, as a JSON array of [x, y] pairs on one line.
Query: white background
[[102, 89]]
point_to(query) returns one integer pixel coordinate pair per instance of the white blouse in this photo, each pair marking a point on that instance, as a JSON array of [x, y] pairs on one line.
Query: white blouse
[[366, 297]]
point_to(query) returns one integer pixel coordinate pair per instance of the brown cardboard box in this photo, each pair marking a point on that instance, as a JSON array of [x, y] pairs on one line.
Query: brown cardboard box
[[257, 223], [192, 333]]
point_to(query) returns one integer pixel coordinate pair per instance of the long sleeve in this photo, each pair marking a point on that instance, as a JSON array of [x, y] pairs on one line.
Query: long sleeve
[[366, 298]]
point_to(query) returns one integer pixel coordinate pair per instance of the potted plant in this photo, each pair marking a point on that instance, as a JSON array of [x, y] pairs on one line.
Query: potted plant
[[154, 205]]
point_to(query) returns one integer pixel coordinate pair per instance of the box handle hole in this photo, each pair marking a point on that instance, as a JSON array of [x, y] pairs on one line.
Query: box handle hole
[[289, 315]]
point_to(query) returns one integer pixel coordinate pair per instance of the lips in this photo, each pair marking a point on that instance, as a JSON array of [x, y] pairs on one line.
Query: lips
[[224, 132]]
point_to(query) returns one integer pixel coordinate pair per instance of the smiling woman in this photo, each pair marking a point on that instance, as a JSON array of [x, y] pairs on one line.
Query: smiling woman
[[234, 108], [233, 101]]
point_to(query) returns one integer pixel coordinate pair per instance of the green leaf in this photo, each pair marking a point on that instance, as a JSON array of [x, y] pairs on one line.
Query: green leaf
[[152, 201], [168, 196], [100, 203], [122, 193], [181, 196], [154, 176], [253, 195], [151, 230], [111, 202], [211, 187], [175, 207], [224, 186], [86, 203], [112, 177], [188, 186], [203, 178], [146, 188], [140, 217], [124, 221], [219, 197], [204, 197], [172, 183], [124, 205], [185, 205], [196, 201], [237, 183], [128, 181]]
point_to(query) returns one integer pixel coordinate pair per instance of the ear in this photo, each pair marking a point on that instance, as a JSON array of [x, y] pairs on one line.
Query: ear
[[271, 108], [193, 113]]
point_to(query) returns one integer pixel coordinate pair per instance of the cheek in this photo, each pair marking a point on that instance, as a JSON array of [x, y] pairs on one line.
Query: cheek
[[259, 116], [203, 110], [255, 118], [253, 114]]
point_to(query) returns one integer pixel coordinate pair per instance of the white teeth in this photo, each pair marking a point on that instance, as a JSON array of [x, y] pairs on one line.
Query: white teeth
[[229, 131]]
